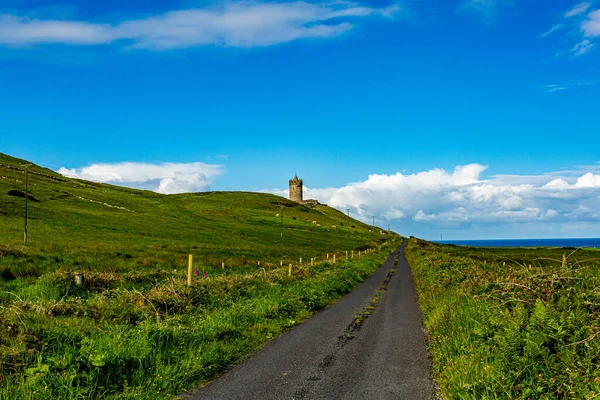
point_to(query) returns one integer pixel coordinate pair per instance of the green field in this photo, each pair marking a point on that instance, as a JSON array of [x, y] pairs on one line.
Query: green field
[[135, 330], [510, 323]]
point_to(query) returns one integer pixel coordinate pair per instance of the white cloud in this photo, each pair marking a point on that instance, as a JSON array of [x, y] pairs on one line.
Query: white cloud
[[421, 216], [552, 30], [394, 213], [568, 85], [235, 24], [18, 30], [588, 180], [578, 9], [575, 19], [167, 178], [555, 88], [581, 48], [591, 26], [462, 198], [557, 184]]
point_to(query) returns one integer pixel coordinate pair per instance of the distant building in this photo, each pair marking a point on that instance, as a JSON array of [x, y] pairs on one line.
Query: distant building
[[296, 188]]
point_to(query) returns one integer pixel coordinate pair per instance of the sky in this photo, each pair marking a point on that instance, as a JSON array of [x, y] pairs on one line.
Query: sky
[[469, 118]]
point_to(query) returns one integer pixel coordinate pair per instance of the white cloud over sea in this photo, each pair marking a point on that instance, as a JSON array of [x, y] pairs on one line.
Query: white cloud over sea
[[445, 200], [461, 202], [166, 178]]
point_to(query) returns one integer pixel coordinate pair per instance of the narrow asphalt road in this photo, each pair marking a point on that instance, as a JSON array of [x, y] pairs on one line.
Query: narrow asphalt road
[[330, 357]]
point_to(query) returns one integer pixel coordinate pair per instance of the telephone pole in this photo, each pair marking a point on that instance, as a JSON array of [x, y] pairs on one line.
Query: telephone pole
[[26, 200], [373, 222]]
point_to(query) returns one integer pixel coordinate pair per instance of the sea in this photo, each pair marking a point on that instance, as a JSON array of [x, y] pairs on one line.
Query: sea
[[571, 242]]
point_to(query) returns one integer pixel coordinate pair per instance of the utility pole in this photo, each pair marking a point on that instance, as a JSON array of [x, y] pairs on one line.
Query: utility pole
[[373, 222], [281, 228], [388, 227], [282, 221], [441, 238], [26, 200], [348, 210]]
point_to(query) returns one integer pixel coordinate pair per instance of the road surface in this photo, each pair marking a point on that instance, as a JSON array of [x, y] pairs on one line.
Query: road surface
[[329, 356]]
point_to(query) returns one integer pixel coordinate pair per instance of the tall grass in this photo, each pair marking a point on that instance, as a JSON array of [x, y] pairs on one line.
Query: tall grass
[[511, 323], [148, 341]]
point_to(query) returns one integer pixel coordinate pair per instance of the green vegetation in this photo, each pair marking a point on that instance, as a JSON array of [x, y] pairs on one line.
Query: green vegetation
[[135, 330], [510, 323]]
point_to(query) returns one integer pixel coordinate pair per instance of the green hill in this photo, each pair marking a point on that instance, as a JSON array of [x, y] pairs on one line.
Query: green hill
[[135, 329], [76, 222]]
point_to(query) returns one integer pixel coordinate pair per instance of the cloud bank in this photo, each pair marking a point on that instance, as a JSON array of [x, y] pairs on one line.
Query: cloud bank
[[462, 199], [460, 202], [166, 178], [234, 24]]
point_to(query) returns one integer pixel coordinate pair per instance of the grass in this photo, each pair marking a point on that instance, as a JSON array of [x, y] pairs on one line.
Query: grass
[[508, 323], [135, 330]]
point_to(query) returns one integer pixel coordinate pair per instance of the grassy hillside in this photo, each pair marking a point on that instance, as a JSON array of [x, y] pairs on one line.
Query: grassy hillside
[[76, 223], [511, 323], [135, 330]]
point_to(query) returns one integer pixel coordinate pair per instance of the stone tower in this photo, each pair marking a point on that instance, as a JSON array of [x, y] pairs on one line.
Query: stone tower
[[296, 189]]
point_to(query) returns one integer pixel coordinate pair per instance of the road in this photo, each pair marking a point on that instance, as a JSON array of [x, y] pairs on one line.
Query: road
[[329, 356]]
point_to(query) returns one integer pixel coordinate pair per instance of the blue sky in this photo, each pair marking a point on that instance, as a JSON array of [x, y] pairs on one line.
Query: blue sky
[[240, 95]]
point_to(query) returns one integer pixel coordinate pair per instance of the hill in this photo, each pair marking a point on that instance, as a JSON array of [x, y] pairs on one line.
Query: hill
[[71, 220]]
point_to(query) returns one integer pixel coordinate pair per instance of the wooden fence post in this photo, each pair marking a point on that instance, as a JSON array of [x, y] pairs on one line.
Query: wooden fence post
[[290, 270], [222, 265], [190, 262], [334, 258]]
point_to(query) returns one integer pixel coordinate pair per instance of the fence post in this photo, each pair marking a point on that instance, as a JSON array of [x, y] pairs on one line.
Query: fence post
[[222, 265], [190, 262], [334, 258], [290, 270], [346, 254], [79, 279], [300, 260], [353, 254]]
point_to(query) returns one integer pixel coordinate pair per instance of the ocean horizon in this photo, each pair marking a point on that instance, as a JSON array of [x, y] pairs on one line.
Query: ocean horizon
[[552, 242]]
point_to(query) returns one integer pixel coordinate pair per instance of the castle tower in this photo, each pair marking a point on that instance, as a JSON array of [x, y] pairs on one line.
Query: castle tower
[[296, 189]]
